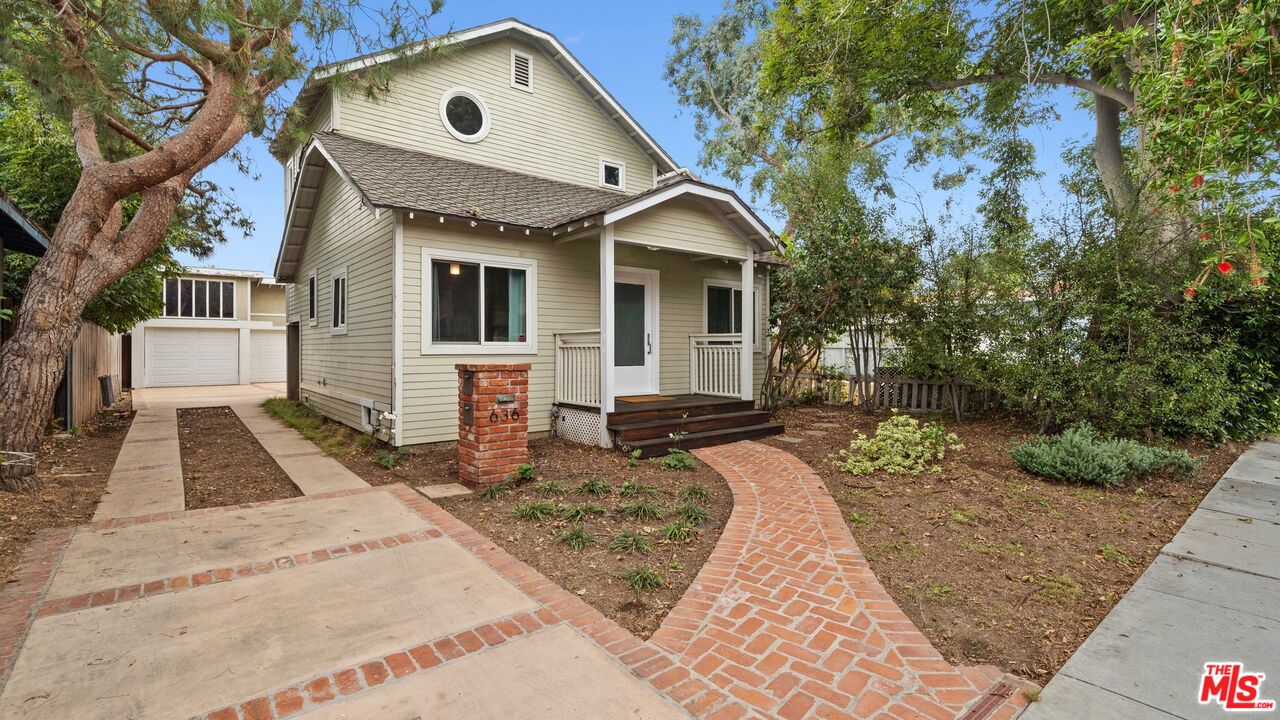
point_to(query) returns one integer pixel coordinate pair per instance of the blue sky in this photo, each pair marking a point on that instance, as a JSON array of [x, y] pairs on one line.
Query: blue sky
[[625, 46]]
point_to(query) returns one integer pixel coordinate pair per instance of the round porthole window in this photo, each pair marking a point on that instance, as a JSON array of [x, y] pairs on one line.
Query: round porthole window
[[464, 115]]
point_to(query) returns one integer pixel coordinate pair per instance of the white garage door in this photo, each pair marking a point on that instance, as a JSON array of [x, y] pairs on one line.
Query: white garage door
[[268, 353], [177, 357]]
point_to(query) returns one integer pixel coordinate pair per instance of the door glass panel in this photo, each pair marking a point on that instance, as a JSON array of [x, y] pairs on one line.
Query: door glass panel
[[628, 316]]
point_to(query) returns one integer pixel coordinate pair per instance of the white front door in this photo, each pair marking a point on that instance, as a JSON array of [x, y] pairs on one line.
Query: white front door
[[635, 339]]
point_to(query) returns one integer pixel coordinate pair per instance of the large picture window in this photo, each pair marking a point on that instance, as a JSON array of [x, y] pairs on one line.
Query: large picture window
[[478, 303], [191, 298], [723, 310]]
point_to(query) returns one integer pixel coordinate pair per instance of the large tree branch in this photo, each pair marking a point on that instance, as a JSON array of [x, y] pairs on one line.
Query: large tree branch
[[761, 152], [84, 131], [1122, 97]]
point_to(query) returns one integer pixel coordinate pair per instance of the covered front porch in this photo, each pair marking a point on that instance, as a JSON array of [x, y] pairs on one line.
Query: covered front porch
[[681, 298]]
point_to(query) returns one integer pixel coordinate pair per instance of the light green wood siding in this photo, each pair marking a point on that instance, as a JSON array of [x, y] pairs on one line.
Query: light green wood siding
[[685, 223], [339, 370], [568, 299], [556, 131]]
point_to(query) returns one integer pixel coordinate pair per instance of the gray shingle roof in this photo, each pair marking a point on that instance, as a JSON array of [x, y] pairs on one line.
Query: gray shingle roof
[[403, 179]]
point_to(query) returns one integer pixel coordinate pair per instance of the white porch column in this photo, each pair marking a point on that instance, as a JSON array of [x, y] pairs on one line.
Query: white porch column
[[748, 314], [606, 331]]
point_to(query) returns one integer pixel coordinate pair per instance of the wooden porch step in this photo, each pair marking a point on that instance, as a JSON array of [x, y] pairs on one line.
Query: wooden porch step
[[664, 411], [659, 446], [628, 432]]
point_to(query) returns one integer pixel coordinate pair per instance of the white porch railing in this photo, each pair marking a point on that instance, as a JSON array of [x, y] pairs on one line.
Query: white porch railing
[[578, 367], [715, 365]]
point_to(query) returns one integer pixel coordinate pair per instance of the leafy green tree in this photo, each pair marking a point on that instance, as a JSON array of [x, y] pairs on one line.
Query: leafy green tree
[[844, 273], [39, 170], [153, 93]]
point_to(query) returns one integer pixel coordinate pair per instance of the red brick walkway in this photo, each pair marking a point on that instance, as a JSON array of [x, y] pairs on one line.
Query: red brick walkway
[[787, 617]]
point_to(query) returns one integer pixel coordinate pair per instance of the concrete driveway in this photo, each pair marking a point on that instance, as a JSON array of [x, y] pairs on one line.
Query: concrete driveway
[[367, 603], [205, 395]]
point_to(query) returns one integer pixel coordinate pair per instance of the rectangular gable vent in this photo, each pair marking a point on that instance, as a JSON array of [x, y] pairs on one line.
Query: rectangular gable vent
[[521, 71]]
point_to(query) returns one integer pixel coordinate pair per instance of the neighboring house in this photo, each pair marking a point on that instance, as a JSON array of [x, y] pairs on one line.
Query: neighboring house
[[219, 327], [839, 355], [91, 378], [497, 205]]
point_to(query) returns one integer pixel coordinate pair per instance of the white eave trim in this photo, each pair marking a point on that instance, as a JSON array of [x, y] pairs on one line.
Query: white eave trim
[[763, 242], [559, 53], [298, 188]]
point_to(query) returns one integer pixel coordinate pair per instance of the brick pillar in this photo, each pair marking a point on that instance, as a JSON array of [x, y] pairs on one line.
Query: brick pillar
[[493, 421]]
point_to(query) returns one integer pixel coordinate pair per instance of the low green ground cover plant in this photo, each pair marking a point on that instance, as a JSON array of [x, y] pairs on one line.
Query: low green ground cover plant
[[576, 537], [902, 445], [641, 510], [677, 459], [628, 541], [580, 511], [644, 580], [534, 510], [390, 459], [595, 486], [1082, 455], [693, 492]]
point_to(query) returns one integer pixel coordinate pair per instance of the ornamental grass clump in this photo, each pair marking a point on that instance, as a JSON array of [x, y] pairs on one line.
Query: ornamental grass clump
[[901, 446], [1081, 455]]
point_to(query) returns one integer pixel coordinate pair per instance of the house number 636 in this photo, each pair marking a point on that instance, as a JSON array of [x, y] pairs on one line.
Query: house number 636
[[506, 415]]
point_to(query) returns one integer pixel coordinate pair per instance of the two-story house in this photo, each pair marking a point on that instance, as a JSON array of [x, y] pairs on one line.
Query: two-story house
[[498, 205]]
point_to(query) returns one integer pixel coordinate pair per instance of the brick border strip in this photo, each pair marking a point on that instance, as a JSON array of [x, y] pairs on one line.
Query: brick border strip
[[28, 585], [114, 523], [150, 588], [697, 695], [317, 690]]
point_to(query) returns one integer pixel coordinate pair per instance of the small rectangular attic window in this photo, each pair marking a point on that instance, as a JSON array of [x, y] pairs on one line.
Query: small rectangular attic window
[[521, 71]]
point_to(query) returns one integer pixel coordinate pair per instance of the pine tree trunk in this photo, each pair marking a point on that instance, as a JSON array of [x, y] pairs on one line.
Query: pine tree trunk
[[32, 362]]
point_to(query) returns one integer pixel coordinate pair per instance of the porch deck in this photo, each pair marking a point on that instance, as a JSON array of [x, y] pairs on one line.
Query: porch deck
[[699, 420]]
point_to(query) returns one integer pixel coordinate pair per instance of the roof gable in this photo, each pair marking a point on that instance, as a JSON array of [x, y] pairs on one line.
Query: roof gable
[[553, 51]]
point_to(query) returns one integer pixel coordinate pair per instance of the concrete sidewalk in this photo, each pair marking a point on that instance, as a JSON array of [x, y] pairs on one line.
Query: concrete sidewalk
[[1212, 595], [147, 475]]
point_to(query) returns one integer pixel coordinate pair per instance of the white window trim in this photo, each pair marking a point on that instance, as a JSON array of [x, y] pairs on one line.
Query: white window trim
[[235, 300], [346, 301], [484, 114], [757, 344], [622, 174], [313, 299], [530, 267], [514, 54]]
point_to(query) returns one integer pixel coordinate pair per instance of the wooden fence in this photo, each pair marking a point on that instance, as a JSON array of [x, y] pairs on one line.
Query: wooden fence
[[889, 390], [95, 355]]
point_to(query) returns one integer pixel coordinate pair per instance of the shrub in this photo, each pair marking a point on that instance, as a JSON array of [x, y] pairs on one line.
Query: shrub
[[1080, 455], [536, 510], [677, 459], [579, 512], [644, 579], [678, 531], [497, 490], [691, 513], [523, 472], [595, 486], [693, 492], [576, 537], [632, 542], [390, 459], [901, 446], [548, 488], [632, 487], [642, 510]]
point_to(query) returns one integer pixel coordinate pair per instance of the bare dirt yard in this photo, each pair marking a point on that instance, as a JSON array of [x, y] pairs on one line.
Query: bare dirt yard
[[597, 573], [996, 565], [74, 469], [223, 464]]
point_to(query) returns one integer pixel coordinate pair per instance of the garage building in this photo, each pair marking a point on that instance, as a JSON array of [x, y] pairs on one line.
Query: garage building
[[219, 327]]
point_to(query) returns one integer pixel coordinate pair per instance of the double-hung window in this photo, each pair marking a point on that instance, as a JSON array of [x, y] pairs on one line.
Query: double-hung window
[[723, 309], [478, 304], [191, 298], [338, 302]]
